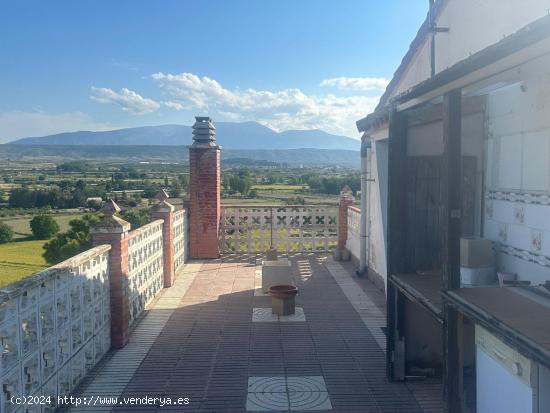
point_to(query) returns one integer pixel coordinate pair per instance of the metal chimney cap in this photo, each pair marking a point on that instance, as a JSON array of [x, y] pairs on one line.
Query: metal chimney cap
[[204, 131]]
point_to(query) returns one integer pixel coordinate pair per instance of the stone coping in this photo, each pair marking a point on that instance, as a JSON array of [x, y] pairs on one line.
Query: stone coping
[[17, 288], [257, 206], [178, 212], [144, 228]]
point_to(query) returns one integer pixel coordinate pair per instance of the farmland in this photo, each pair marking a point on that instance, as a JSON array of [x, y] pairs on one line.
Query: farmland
[[21, 224], [20, 259], [64, 189]]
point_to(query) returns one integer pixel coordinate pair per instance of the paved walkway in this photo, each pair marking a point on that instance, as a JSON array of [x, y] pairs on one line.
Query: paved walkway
[[212, 340]]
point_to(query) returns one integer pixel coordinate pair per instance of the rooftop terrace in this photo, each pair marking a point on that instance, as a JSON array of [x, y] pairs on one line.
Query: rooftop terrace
[[211, 337]]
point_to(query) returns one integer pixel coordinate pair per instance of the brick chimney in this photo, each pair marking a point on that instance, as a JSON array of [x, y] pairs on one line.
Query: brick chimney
[[204, 190]]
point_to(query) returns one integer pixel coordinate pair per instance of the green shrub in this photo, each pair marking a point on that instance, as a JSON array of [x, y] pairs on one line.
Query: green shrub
[[6, 233], [136, 217], [44, 227], [72, 242]]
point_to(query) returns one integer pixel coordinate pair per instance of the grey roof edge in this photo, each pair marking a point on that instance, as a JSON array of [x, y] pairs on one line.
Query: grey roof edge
[[415, 45], [535, 31], [376, 118]]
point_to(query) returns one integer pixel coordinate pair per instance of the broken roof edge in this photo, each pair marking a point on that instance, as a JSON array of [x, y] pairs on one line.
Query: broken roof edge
[[375, 119]]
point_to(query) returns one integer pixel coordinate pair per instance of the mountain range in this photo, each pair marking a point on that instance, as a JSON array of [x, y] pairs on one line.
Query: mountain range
[[244, 135]]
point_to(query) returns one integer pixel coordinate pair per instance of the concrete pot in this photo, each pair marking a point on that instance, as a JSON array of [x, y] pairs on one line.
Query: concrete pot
[[346, 255], [271, 254], [283, 299]]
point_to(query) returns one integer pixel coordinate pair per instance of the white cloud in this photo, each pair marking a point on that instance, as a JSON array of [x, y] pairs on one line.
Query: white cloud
[[280, 110], [173, 105], [18, 124], [127, 99], [357, 83]]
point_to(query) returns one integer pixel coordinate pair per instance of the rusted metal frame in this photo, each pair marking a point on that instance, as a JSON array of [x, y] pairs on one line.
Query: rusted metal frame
[[397, 204]]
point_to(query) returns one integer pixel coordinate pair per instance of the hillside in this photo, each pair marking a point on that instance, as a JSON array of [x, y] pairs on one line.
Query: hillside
[[246, 135], [158, 153]]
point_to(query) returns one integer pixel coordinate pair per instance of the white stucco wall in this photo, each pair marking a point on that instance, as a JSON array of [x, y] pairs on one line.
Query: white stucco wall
[[377, 239], [473, 25]]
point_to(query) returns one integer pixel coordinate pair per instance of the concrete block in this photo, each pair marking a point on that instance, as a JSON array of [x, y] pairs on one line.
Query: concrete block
[[276, 273], [283, 306]]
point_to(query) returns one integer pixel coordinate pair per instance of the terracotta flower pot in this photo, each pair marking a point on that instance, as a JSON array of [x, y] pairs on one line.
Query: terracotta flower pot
[[283, 291]]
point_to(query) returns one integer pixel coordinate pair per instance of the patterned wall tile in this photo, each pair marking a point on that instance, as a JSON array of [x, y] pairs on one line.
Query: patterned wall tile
[[503, 232], [519, 214], [536, 241]]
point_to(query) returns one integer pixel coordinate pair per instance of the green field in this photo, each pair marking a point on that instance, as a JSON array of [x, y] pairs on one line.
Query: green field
[[22, 229], [19, 259], [279, 187]]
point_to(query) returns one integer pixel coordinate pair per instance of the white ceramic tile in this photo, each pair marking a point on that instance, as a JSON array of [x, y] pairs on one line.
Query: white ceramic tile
[[519, 213], [536, 241], [491, 230], [519, 236], [537, 216], [503, 232], [267, 402], [546, 244], [509, 162], [267, 384], [536, 168], [503, 211]]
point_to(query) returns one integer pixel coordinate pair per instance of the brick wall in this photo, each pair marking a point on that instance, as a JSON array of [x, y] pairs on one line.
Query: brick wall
[[204, 201]]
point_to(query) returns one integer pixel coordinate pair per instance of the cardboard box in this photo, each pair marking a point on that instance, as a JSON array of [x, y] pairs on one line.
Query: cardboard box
[[476, 252]]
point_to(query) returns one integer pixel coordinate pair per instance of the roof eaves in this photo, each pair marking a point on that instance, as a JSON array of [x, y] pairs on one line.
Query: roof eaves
[[415, 45]]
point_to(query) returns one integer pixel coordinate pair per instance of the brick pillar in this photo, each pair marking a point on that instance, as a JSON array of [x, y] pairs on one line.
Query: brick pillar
[[204, 191], [114, 231], [164, 210], [346, 200]]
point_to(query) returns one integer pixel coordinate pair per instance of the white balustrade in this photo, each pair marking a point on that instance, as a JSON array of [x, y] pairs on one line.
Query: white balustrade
[[180, 228], [146, 266], [54, 327], [254, 229]]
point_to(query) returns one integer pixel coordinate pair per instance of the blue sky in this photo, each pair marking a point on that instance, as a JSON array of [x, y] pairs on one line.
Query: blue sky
[[289, 64]]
